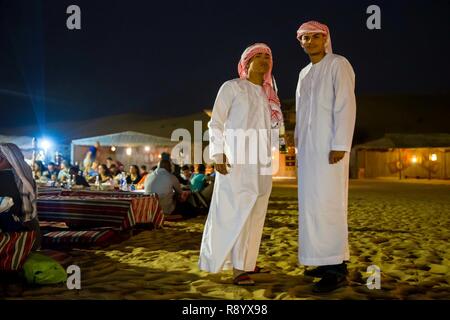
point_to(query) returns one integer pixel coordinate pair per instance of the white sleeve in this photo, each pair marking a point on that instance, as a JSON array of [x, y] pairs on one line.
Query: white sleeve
[[297, 103], [219, 116], [344, 109]]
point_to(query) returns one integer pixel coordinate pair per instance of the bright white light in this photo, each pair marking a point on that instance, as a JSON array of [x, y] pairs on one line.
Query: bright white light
[[129, 151], [414, 159], [147, 149], [433, 157], [45, 144], [159, 156], [274, 149], [113, 149]]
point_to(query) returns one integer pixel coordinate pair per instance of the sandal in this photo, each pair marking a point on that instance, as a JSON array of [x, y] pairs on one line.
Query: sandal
[[243, 280], [258, 270]]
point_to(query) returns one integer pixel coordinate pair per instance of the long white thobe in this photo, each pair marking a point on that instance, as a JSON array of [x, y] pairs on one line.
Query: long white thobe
[[233, 230], [326, 111]]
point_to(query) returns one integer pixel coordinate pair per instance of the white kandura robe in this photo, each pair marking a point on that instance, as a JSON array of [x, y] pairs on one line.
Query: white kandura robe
[[326, 111], [233, 230]]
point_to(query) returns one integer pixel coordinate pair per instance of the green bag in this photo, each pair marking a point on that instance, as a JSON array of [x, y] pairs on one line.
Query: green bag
[[40, 269]]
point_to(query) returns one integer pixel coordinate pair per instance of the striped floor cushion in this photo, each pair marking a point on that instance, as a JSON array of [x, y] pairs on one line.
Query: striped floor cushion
[[91, 238], [14, 249]]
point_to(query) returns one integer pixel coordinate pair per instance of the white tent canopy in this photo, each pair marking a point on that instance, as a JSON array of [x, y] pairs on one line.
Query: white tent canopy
[[23, 142], [130, 147], [125, 139]]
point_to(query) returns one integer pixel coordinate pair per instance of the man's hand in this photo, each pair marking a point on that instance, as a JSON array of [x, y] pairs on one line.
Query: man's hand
[[336, 156], [221, 164]]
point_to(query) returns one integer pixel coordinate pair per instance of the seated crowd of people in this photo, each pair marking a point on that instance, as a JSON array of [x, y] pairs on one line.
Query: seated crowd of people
[[181, 189], [185, 190]]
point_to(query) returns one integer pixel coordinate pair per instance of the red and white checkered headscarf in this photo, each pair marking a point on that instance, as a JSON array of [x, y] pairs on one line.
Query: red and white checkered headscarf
[[268, 85], [316, 27]]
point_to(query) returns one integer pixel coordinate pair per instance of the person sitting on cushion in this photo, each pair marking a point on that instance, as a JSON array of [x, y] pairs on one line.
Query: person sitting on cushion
[[16, 182], [199, 180], [133, 177], [52, 172], [104, 173], [79, 180]]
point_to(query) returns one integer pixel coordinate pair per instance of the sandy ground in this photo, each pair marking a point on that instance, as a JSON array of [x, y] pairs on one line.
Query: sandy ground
[[404, 228]]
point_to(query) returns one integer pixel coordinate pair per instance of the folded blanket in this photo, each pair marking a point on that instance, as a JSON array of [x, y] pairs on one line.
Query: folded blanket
[[5, 204], [14, 249]]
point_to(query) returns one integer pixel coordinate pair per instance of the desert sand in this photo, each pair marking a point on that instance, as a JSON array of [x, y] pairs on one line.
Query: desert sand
[[403, 228]]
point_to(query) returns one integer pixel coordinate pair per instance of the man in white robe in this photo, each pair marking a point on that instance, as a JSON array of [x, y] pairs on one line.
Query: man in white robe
[[326, 111], [234, 226]]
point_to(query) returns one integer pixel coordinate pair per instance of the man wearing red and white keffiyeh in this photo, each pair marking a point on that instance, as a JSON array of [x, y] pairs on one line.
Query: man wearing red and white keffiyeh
[[249, 104], [325, 121]]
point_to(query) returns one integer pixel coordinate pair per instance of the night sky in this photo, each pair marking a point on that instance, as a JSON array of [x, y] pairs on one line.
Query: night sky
[[168, 58]]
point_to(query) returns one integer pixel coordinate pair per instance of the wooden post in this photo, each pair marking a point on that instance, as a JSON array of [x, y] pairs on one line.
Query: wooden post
[[445, 164]]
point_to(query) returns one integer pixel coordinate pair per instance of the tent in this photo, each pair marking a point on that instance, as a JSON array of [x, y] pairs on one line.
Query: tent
[[403, 156], [128, 147], [23, 142]]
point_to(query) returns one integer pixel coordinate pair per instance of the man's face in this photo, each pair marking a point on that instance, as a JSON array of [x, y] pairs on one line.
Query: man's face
[[313, 43], [51, 167], [260, 63], [187, 173]]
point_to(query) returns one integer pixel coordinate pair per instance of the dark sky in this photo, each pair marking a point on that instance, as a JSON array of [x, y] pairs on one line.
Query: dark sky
[[170, 57]]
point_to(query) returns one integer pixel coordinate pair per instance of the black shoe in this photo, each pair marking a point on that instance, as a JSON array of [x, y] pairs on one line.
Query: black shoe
[[320, 271], [316, 272], [330, 282]]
